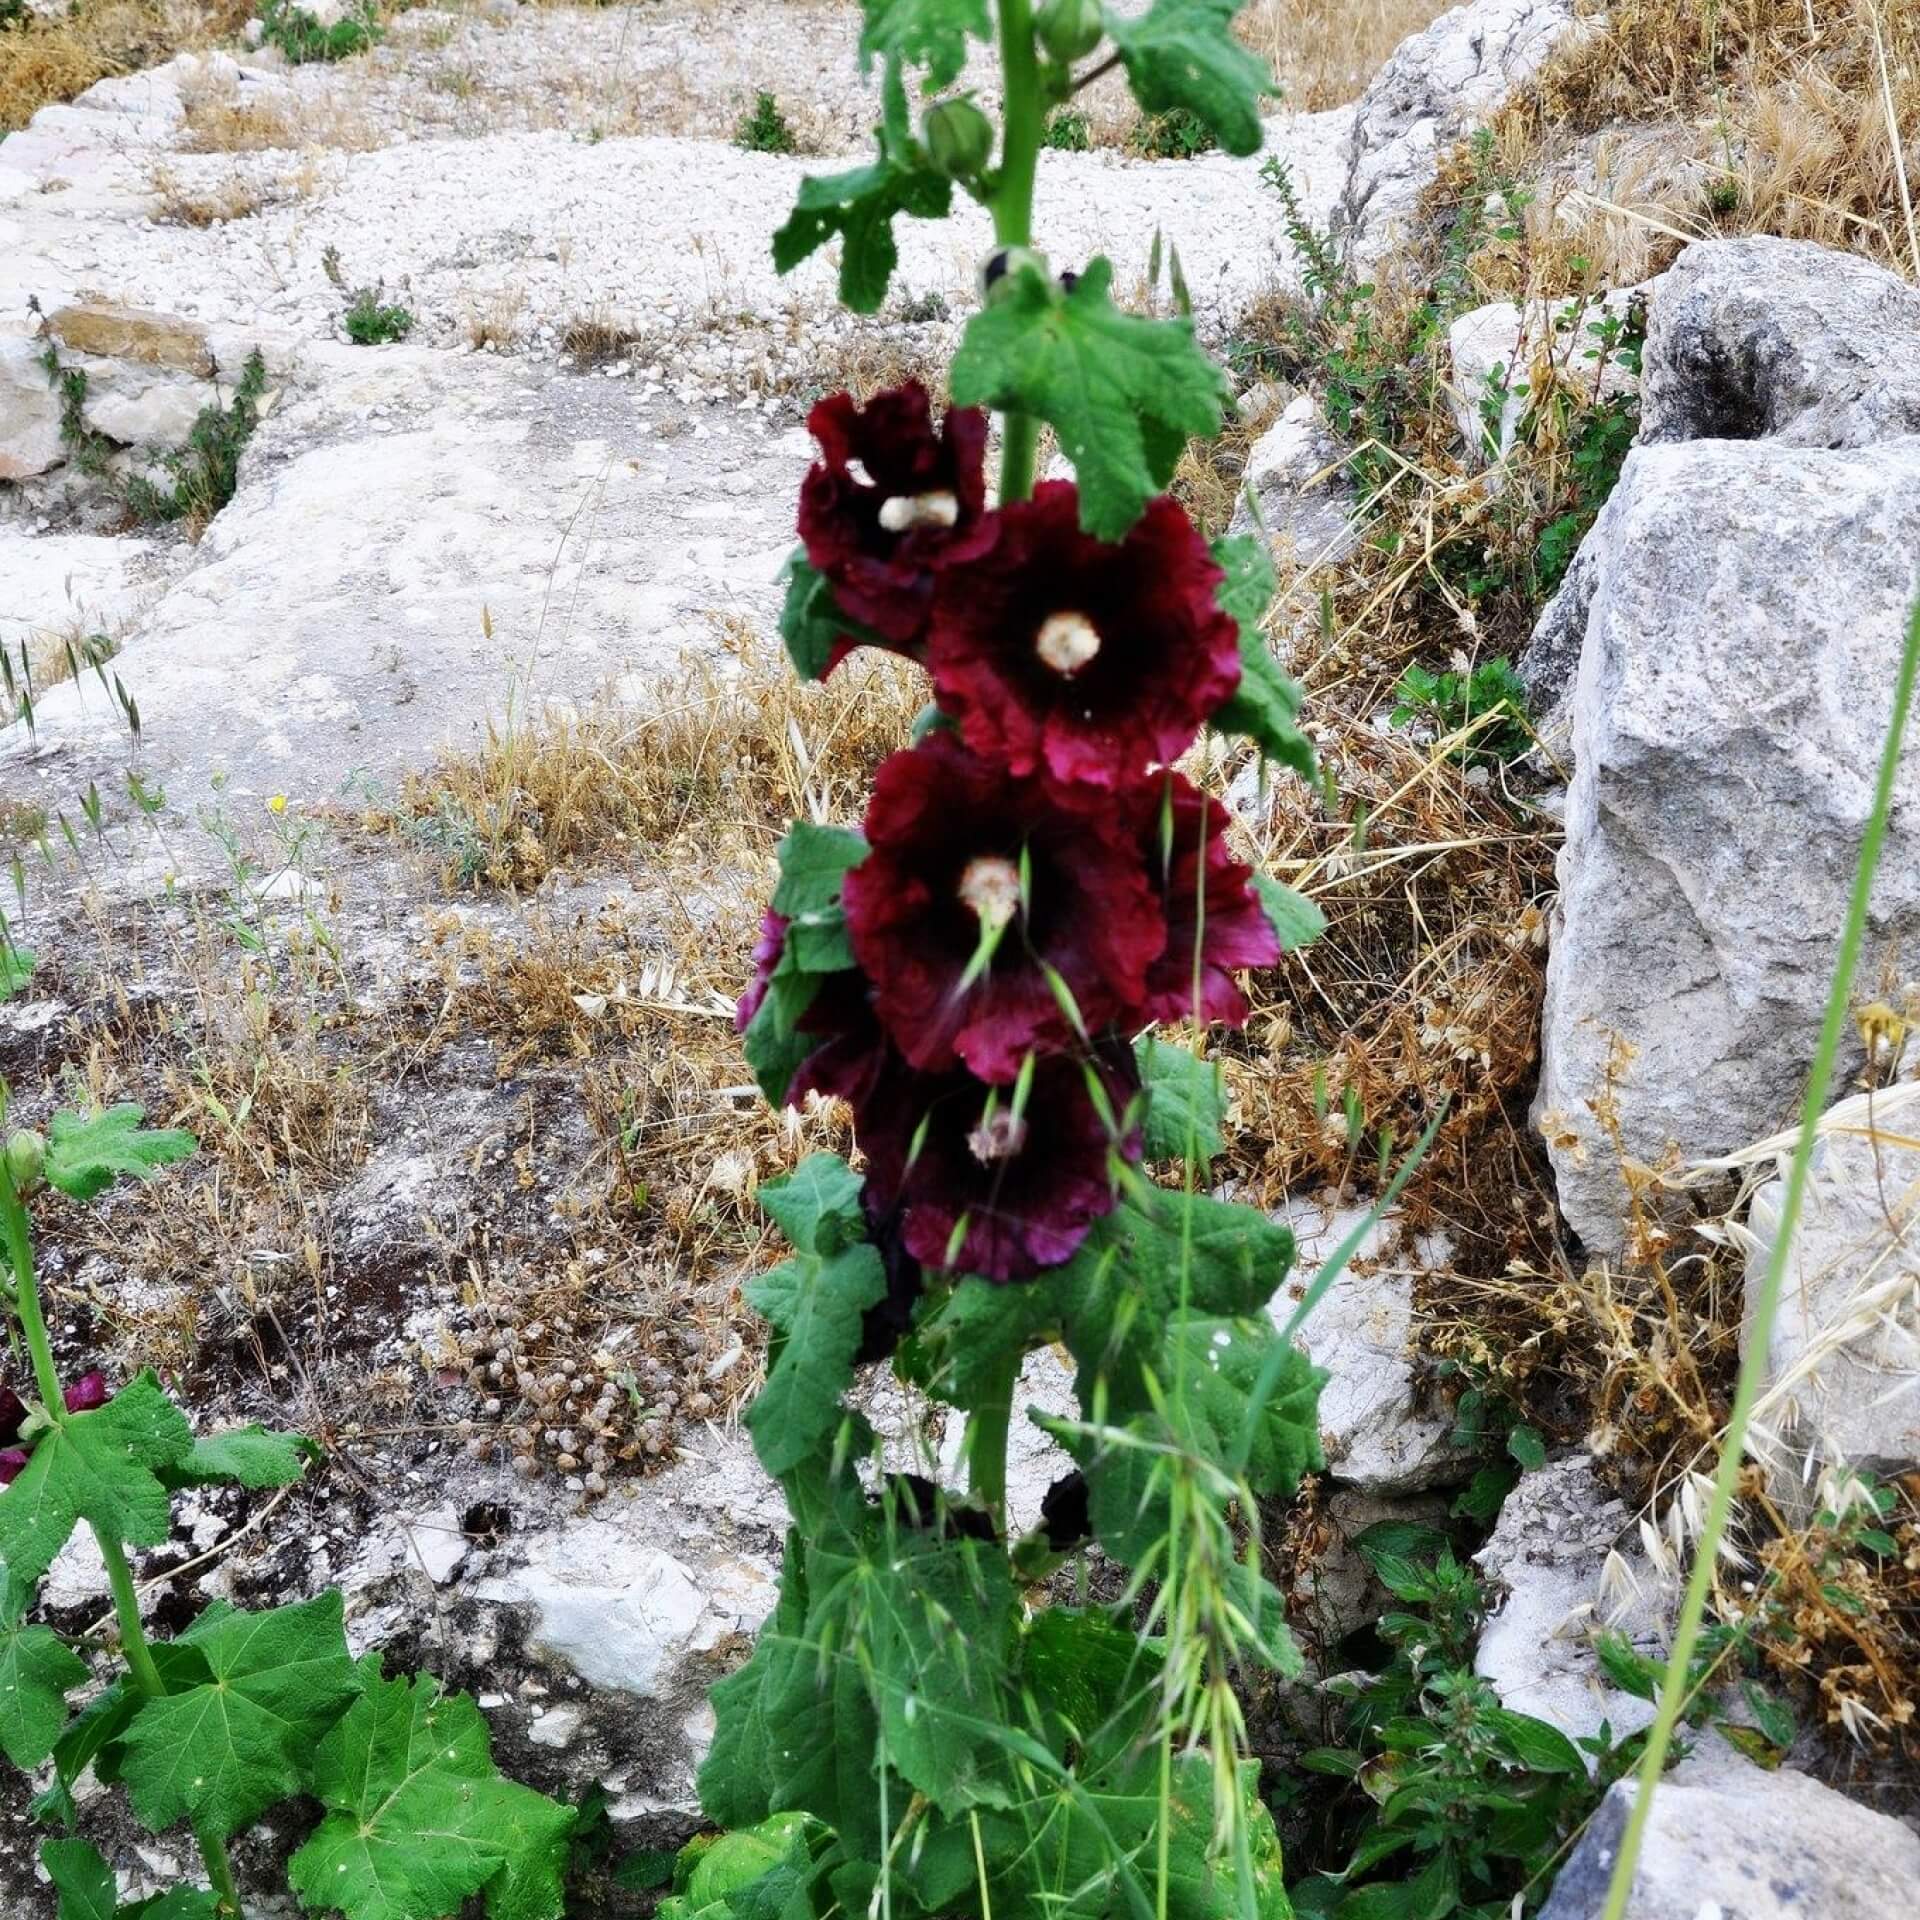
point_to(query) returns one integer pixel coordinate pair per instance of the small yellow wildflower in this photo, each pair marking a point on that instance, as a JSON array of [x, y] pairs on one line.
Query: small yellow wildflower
[[278, 803]]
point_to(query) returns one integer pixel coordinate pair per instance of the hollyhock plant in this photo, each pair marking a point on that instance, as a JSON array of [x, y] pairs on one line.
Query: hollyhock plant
[[916, 505], [86, 1395], [1087, 661], [976, 888], [993, 1185], [1210, 906]]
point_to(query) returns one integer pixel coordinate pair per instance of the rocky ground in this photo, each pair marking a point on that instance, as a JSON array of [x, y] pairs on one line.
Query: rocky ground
[[402, 829]]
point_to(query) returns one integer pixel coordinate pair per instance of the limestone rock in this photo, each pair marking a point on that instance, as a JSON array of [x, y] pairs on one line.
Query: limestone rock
[[1843, 1366], [1781, 340], [1302, 502], [1378, 1436], [1734, 686], [29, 411], [1726, 1840], [1437, 87], [133, 333], [1561, 1564]]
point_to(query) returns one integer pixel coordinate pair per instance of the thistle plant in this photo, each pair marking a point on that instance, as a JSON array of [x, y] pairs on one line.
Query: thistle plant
[[244, 1710], [928, 1724]]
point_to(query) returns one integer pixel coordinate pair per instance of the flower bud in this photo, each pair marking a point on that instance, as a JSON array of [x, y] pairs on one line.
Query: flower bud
[[1004, 265], [1070, 29], [26, 1159], [959, 139]]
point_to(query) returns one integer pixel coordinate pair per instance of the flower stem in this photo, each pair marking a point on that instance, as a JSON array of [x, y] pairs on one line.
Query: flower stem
[[26, 1294], [1012, 204], [1674, 1689]]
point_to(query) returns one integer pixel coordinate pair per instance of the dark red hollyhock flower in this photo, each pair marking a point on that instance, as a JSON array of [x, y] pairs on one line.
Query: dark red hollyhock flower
[[840, 1016], [1209, 903], [920, 505], [84, 1396], [946, 1149], [1092, 662], [947, 833]]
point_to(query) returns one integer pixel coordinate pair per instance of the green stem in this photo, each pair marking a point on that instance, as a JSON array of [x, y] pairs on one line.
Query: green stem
[[1673, 1691], [1012, 204], [26, 1294], [987, 1430]]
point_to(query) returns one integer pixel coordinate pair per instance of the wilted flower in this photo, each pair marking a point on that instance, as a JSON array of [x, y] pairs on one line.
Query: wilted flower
[[1088, 661], [976, 888], [986, 1189], [1213, 915], [916, 505]]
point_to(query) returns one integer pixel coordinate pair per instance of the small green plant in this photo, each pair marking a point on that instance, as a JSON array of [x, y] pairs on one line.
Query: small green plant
[[304, 39], [372, 322], [1452, 701], [201, 475], [1178, 134], [1067, 131], [763, 128], [14, 13], [1459, 1806], [243, 1711]]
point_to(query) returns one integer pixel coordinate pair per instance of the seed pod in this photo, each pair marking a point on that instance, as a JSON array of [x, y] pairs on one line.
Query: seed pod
[[1001, 268], [959, 139], [1069, 29]]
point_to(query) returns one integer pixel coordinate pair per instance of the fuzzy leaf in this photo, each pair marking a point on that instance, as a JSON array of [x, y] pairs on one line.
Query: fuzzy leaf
[[418, 1818], [815, 1305], [817, 1205], [1183, 54], [1266, 708], [178, 1903], [813, 865], [86, 1153], [774, 1056], [91, 1740], [82, 1880], [1537, 1746], [37, 1672], [926, 33], [1186, 1101], [244, 1457], [811, 623], [223, 1751], [99, 1467], [1295, 920], [1123, 393]]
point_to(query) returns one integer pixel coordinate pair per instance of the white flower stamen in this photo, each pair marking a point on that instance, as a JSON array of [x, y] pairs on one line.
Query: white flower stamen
[[990, 886], [908, 512], [1066, 642], [999, 1136]]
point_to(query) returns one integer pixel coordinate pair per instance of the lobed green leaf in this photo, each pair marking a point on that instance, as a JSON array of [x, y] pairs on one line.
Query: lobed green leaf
[[86, 1153], [1186, 1101], [251, 1456], [927, 33], [37, 1672], [1182, 54]]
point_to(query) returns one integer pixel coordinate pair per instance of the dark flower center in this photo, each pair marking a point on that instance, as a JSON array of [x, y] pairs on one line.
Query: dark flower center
[[990, 887], [909, 512], [1066, 642]]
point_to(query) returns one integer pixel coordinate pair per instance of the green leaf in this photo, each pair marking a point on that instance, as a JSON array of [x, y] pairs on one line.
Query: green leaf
[[817, 1205], [16, 968], [1248, 586], [861, 204], [1528, 1447], [418, 1818], [98, 1467], [179, 1903], [37, 1672], [927, 33], [219, 1753], [87, 1152], [1535, 1744], [1183, 54], [774, 1056], [91, 1740], [1266, 708], [811, 623], [1295, 920], [251, 1456], [814, 861], [1122, 393], [81, 1879], [1186, 1101]]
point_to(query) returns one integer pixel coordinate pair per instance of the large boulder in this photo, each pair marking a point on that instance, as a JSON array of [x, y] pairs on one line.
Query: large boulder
[[1843, 1364], [1745, 608], [29, 411], [1296, 494], [1436, 89], [1726, 1840]]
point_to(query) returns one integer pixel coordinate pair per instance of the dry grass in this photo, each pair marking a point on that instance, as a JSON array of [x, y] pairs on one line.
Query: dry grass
[[1324, 53], [1760, 116], [47, 60], [176, 204]]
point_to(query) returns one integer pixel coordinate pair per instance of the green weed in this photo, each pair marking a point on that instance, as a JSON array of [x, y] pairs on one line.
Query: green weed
[[302, 38], [370, 322], [764, 128]]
